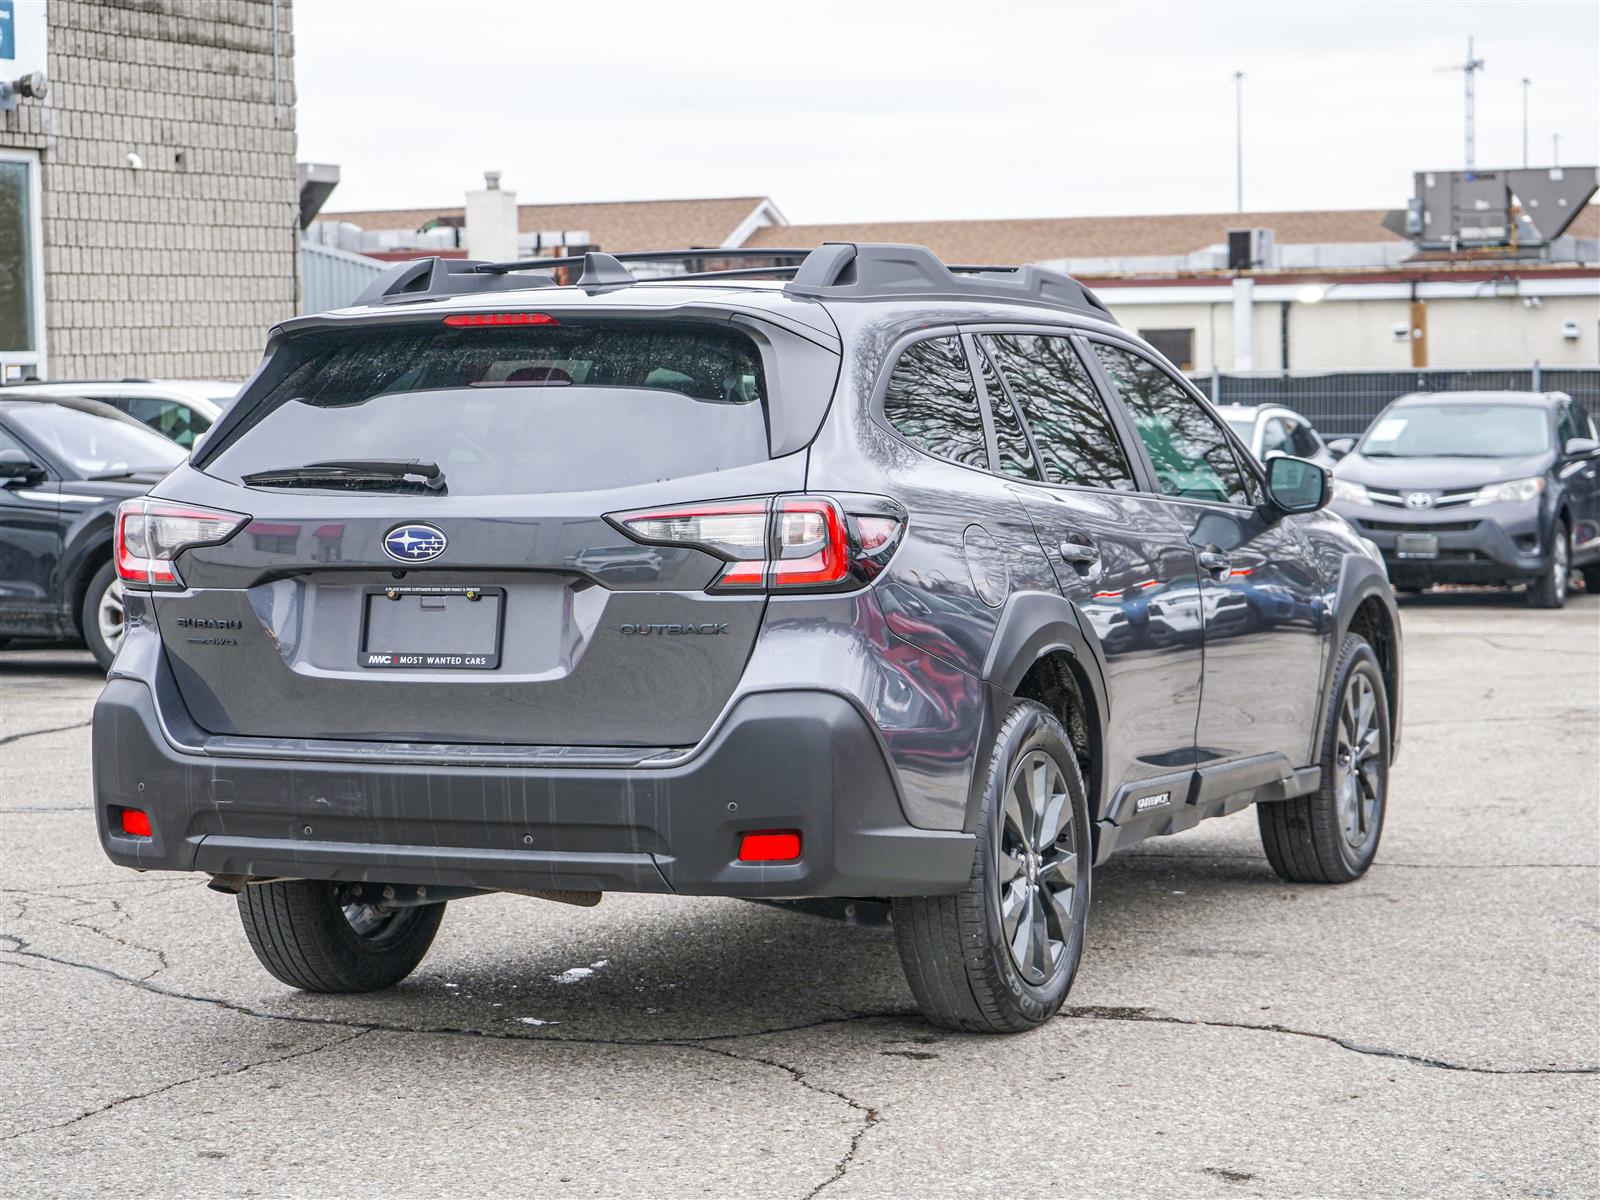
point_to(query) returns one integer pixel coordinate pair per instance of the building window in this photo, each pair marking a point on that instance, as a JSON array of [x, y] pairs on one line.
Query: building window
[[1174, 344], [21, 290]]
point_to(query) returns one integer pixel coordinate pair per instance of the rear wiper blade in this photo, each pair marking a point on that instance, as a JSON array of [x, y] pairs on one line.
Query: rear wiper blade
[[349, 469]]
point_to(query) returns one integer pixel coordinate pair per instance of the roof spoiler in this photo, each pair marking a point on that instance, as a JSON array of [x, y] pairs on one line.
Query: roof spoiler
[[833, 271]]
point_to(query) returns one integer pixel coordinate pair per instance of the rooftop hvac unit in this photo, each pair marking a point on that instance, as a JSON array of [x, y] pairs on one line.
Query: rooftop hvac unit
[[1249, 248]]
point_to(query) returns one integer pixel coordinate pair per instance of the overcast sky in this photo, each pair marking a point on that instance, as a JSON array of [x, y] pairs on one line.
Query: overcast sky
[[916, 110]]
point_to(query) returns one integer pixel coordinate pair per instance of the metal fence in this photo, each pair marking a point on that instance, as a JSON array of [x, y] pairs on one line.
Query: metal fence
[[1345, 402], [331, 278]]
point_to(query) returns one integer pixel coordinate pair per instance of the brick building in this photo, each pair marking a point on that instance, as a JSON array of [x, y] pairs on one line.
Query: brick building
[[148, 201]]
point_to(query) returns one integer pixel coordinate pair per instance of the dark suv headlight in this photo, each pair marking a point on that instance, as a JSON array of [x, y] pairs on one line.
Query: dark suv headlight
[[1350, 493], [1514, 490]]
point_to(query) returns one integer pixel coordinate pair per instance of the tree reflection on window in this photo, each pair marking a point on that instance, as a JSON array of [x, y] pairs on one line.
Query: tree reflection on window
[[1069, 422], [932, 403], [1187, 448]]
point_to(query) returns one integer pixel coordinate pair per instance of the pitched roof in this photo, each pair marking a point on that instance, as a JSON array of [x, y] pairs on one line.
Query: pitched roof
[[1033, 240], [614, 225]]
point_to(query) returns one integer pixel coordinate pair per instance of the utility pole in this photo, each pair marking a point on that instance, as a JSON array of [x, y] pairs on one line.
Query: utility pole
[[1526, 84], [1471, 68], [1238, 136]]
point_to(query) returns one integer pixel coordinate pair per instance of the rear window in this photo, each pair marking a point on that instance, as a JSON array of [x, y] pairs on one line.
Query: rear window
[[512, 409]]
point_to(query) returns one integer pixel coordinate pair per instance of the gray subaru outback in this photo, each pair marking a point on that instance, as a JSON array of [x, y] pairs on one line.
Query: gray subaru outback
[[847, 574]]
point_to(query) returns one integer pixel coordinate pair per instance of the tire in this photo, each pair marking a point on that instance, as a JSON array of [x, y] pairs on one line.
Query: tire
[[101, 599], [1332, 835], [957, 956], [307, 939], [1550, 589], [1591, 581]]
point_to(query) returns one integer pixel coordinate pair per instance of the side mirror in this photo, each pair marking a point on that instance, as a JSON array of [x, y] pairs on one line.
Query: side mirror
[[1297, 485], [1582, 448], [1339, 447], [17, 467]]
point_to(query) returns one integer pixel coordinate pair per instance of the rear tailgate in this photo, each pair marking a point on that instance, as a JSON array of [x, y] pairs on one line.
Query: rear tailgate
[[602, 641], [501, 607]]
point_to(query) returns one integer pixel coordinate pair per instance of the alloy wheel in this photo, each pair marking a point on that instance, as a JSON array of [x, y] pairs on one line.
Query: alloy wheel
[[110, 615], [1358, 762], [1561, 564], [1037, 867]]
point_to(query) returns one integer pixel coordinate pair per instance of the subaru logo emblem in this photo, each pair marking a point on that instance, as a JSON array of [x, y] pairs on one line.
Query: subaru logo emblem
[[1419, 500], [414, 543]]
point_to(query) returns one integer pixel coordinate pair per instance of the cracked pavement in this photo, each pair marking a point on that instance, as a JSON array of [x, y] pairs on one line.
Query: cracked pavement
[[1433, 1029]]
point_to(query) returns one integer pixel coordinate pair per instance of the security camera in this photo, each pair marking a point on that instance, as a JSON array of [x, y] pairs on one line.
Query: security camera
[[135, 163], [32, 86]]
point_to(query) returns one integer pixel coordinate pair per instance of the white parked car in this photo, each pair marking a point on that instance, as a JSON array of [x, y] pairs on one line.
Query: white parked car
[[180, 409], [1270, 430]]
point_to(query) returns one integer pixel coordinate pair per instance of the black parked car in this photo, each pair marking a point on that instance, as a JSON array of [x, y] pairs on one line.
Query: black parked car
[[1479, 487], [65, 465], [874, 579]]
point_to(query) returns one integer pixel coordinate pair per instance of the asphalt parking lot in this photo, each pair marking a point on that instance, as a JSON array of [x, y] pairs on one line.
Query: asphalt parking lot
[[1432, 1030]]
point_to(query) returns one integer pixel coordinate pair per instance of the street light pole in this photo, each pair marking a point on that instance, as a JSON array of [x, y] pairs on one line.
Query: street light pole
[[1526, 84], [1238, 136], [1555, 149]]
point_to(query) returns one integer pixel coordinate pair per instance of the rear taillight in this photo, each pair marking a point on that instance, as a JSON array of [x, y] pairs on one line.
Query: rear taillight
[[778, 543], [152, 533]]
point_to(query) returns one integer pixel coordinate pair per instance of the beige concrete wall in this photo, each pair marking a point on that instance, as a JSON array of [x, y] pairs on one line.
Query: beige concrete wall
[[1505, 331], [178, 269], [1488, 331]]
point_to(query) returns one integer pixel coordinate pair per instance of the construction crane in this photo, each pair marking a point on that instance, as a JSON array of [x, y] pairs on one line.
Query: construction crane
[[1470, 69]]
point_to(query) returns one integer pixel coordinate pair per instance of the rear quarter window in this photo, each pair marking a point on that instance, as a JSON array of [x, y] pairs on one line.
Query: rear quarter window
[[932, 403], [515, 409]]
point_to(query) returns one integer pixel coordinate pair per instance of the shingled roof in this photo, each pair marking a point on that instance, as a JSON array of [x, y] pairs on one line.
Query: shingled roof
[[614, 225], [1034, 240]]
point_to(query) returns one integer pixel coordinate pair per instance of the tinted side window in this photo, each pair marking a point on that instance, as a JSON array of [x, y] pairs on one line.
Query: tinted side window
[[1191, 456], [1303, 443], [177, 421], [1070, 425], [1567, 427], [931, 401], [1010, 439]]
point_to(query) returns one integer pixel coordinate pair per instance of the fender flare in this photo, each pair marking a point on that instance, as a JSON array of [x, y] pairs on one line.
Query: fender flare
[[1360, 578], [1033, 624]]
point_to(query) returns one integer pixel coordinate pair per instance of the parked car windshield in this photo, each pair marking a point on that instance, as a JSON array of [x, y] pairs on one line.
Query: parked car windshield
[[93, 445], [513, 409], [1244, 427], [1458, 431]]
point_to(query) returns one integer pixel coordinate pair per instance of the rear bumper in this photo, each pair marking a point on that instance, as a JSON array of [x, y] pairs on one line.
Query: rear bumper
[[792, 760]]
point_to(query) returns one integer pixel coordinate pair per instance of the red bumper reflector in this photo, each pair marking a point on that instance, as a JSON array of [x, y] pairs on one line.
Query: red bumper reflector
[[781, 845], [135, 823]]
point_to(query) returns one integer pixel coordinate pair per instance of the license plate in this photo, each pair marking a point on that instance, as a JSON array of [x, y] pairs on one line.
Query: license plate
[[1417, 545], [432, 628]]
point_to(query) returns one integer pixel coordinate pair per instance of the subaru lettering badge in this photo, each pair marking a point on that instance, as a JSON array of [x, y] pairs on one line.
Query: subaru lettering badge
[[414, 543], [1419, 500]]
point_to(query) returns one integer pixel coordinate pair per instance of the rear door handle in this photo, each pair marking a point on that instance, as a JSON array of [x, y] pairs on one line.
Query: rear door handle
[[1080, 553], [1215, 560]]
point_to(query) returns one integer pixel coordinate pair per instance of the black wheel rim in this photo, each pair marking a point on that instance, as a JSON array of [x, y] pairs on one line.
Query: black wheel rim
[[1036, 867], [1359, 762]]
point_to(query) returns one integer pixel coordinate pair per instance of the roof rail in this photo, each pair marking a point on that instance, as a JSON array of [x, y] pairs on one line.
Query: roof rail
[[431, 278], [833, 271], [879, 270]]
